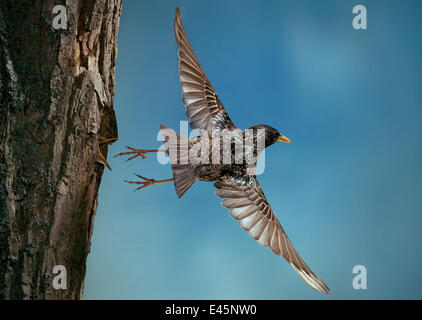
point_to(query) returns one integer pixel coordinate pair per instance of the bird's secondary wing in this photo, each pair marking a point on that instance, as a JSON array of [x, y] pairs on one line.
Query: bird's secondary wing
[[246, 201], [203, 107]]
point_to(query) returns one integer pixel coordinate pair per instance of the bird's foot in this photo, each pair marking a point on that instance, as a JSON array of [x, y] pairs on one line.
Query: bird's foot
[[100, 157], [147, 182], [137, 153]]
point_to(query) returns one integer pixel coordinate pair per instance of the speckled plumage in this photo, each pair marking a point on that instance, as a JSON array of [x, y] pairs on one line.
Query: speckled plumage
[[242, 194], [234, 183]]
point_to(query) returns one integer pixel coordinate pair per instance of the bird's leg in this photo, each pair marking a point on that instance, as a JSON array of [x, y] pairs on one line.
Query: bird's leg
[[100, 156], [137, 153], [147, 182]]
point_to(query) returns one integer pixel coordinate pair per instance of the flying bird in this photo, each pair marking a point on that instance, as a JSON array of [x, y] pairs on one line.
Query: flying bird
[[239, 189]]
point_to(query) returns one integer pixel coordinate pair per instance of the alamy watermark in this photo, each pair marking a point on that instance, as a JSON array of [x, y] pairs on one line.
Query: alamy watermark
[[359, 281], [360, 20], [60, 18], [60, 280]]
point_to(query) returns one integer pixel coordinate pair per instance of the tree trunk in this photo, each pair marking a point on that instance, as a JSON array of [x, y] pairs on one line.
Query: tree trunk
[[56, 102]]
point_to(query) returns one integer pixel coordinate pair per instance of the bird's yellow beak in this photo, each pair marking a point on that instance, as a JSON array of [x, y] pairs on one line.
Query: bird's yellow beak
[[282, 138]]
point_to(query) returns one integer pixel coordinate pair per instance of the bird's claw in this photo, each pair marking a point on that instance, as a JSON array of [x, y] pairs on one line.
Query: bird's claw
[[135, 152], [147, 182]]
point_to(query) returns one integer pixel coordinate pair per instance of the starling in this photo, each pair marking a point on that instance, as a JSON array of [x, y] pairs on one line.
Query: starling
[[242, 194]]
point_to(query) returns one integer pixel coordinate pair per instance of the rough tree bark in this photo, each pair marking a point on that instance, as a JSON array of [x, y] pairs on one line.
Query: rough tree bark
[[56, 101]]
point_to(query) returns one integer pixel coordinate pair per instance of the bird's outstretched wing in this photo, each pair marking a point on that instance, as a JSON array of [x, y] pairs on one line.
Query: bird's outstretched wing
[[203, 107], [246, 201]]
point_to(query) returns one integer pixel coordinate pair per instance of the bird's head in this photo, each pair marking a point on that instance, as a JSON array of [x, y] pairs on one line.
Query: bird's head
[[271, 135]]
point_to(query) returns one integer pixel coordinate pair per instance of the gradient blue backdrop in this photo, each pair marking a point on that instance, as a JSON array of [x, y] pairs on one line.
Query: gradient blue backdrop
[[348, 190]]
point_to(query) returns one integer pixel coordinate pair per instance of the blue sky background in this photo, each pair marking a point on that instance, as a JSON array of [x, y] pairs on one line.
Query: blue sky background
[[348, 190]]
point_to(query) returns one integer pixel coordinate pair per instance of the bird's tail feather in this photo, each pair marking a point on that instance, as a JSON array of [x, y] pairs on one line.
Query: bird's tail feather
[[177, 146], [184, 177]]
